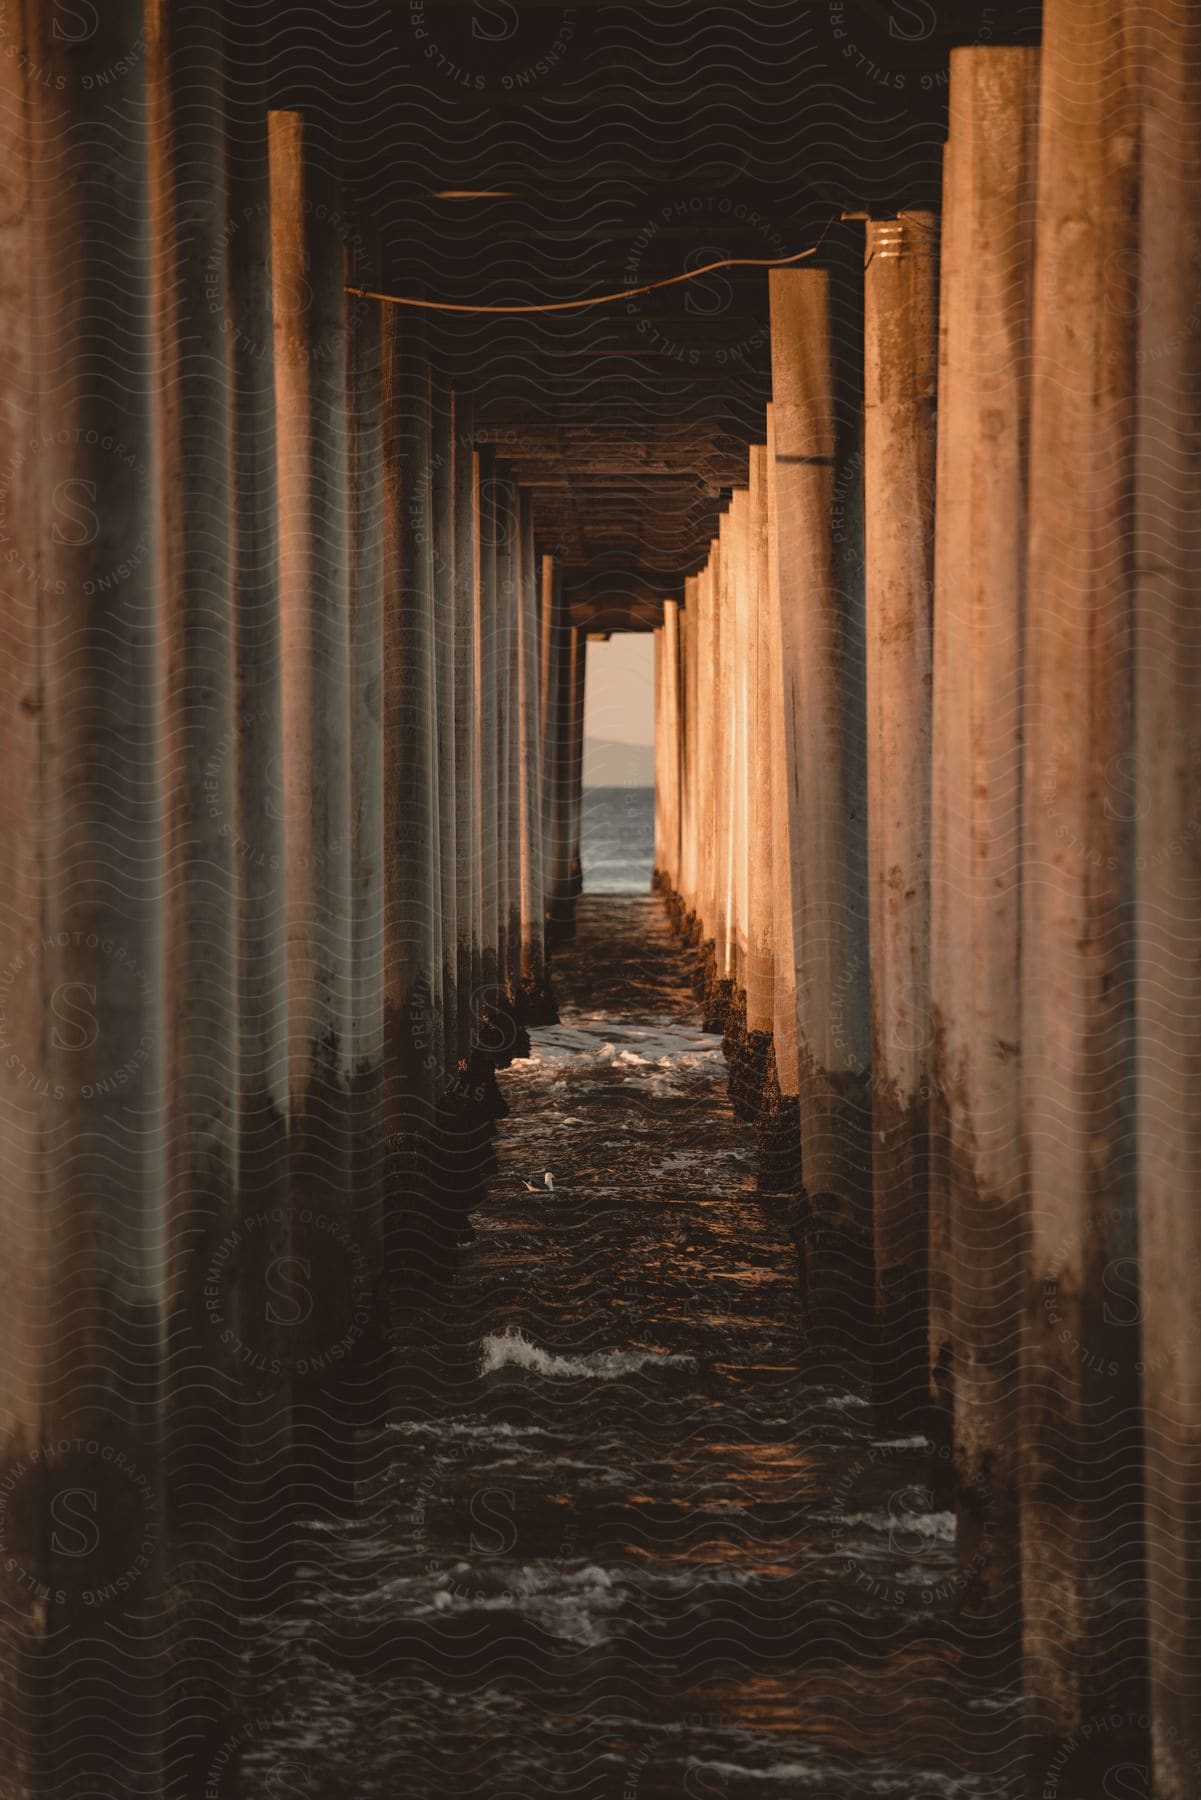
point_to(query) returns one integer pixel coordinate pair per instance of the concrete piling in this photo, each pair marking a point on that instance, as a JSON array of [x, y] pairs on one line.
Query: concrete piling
[[1168, 873], [198, 775], [816, 415], [760, 936], [536, 1003], [976, 1149], [368, 1173], [82, 1076], [900, 380], [1081, 1549], [236, 1276], [779, 1123], [440, 526], [419, 1232]]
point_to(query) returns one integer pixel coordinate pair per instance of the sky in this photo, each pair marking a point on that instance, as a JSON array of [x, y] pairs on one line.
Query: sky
[[619, 704]]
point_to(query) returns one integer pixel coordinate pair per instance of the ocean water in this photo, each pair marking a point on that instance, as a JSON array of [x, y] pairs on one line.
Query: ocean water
[[617, 839], [625, 1535]]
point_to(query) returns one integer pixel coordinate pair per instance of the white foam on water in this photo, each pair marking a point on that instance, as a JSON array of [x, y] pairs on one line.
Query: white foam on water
[[572, 1604], [907, 1784], [934, 1527], [497, 1432], [666, 1056], [510, 1349]]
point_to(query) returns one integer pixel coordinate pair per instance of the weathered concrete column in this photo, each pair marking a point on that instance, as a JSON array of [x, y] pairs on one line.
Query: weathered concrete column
[[1168, 874], [900, 382], [660, 730], [503, 628], [548, 656], [673, 736], [198, 774], [816, 411], [487, 682], [738, 602], [980, 553], [760, 981], [724, 769], [560, 871], [691, 630], [780, 1126], [412, 916], [467, 843], [235, 1275], [1081, 1532], [82, 1034], [574, 761], [328, 1271], [513, 566], [367, 845], [538, 1008], [707, 770], [441, 526]]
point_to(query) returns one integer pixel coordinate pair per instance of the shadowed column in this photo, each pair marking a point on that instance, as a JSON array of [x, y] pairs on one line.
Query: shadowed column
[[1080, 1436], [976, 1150], [467, 877], [198, 776], [323, 1291], [237, 1295], [1168, 878], [536, 1002], [816, 407], [418, 1237], [364, 397], [900, 379], [441, 525], [82, 1069], [760, 970]]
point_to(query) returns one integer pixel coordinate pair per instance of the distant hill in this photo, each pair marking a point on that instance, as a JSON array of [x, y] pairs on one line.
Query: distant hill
[[607, 764]]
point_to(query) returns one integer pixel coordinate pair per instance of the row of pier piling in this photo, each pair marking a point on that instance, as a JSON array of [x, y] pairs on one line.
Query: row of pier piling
[[927, 766], [293, 724]]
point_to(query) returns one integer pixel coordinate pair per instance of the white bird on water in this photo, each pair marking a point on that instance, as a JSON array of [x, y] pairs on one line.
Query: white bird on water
[[548, 1184]]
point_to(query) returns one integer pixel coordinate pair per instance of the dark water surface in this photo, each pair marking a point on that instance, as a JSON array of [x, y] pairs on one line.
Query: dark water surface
[[620, 1540], [617, 839]]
